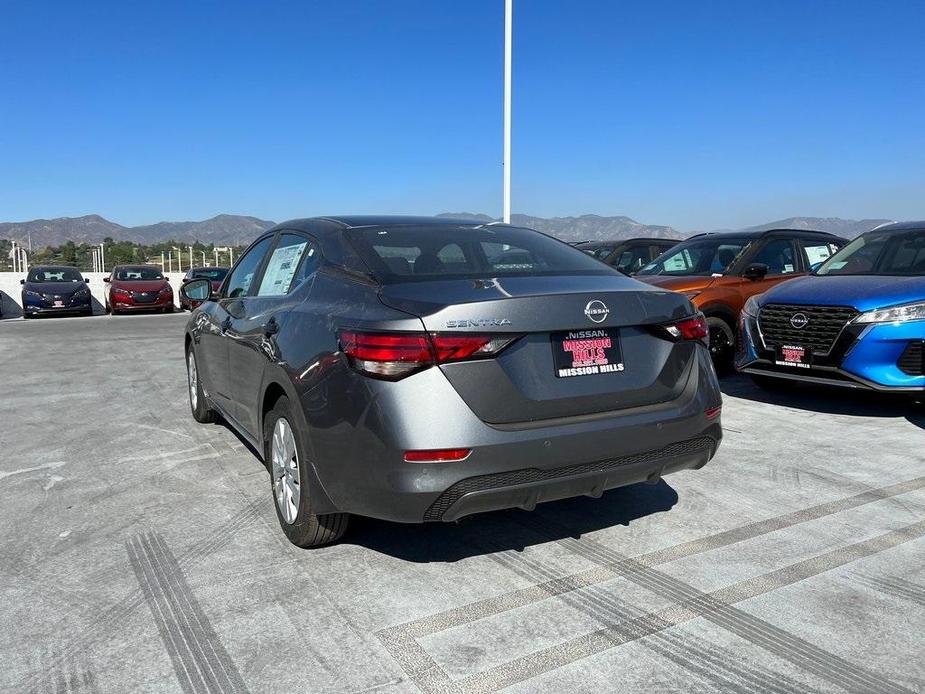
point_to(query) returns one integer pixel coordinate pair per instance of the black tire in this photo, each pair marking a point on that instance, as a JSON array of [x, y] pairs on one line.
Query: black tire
[[199, 407], [169, 309], [308, 529], [27, 316], [771, 383], [722, 344]]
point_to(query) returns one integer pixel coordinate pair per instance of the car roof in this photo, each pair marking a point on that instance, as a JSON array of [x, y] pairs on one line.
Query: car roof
[[899, 226], [757, 234], [341, 222], [53, 267], [635, 239]]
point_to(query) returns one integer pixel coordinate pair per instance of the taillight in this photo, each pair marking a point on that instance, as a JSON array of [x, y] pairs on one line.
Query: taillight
[[460, 347], [389, 355], [693, 328], [395, 355]]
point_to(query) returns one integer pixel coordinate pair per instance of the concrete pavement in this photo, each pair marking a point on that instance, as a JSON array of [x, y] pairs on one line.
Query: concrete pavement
[[140, 552]]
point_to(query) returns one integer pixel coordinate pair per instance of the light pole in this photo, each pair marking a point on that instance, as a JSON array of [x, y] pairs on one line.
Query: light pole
[[508, 26], [102, 258], [14, 254], [190, 256], [162, 262], [179, 259], [203, 258]]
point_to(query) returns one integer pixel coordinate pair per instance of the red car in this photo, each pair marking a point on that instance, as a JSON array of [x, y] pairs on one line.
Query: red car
[[138, 288], [215, 275]]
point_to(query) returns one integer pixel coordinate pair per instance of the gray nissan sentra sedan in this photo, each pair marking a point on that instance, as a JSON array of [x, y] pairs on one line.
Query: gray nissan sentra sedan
[[424, 369]]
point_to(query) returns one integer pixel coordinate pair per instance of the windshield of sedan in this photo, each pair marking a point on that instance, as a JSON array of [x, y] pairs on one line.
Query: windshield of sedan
[[216, 274], [703, 257], [54, 274], [414, 253], [900, 253], [138, 273]]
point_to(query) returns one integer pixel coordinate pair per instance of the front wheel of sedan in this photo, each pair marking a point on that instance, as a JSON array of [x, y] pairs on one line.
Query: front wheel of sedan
[[288, 481], [197, 398]]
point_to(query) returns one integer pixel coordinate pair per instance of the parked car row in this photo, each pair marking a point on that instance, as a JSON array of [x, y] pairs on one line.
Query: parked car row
[[62, 290]]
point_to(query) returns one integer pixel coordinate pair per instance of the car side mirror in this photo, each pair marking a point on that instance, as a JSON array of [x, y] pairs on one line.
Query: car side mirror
[[106, 279], [22, 281], [86, 279], [755, 271], [197, 290]]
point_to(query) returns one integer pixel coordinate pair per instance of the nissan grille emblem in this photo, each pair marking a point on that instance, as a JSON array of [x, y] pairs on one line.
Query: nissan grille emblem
[[596, 310], [799, 320]]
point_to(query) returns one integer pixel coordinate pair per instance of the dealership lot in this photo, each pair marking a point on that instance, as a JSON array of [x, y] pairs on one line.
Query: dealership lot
[[139, 551]]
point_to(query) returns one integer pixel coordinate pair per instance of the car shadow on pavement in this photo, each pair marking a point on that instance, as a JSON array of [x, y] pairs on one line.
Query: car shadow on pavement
[[515, 529], [829, 399]]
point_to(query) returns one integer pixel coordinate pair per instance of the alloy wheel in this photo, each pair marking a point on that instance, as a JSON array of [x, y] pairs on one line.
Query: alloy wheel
[[285, 460], [193, 379]]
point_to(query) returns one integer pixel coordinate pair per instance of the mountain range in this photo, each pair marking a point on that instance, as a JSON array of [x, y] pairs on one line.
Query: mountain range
[[238, 230]]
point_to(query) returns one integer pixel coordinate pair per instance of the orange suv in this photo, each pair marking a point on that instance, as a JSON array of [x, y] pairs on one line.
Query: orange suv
[[719, 272]]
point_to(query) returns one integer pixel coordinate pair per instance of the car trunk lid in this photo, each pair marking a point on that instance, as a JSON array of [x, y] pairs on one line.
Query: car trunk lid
[[568, 326]]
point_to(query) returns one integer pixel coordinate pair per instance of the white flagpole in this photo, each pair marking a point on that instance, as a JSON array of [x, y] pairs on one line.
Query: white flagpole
[[508, 21]]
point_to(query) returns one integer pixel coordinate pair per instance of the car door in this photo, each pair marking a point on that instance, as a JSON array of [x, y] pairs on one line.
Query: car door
[[261, 315], [782, 259], [216, 336]]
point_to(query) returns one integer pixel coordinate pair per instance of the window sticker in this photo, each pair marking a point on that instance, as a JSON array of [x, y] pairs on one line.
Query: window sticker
[[281, 269]]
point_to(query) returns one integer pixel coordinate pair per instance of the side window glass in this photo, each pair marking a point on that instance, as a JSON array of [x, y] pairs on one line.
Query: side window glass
[[283, 264], [239, 284], [817, 252], [311, 260], [778, 256]]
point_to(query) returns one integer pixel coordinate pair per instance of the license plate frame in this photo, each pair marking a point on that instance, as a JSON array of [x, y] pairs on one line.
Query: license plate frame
[[794, 356], [586, 352]]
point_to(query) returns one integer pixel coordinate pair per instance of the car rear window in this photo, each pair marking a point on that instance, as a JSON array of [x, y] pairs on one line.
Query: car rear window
[[413, 253]]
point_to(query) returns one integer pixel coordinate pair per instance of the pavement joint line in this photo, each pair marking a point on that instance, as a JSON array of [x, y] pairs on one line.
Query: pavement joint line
[[401, 641], [200, 661], [560, 655], [757, 631]]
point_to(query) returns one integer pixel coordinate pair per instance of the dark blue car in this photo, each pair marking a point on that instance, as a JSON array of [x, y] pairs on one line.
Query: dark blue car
[[857, 321], [55, 289]]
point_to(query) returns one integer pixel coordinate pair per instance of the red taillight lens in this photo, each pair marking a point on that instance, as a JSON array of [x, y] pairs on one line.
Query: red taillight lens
[[394, 355], [444, 455], [459, 347], [714, 412], [693, 328], [390, 355]]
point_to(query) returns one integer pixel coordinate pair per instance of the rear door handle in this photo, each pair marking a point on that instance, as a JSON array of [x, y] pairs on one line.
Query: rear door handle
[[271, 327]]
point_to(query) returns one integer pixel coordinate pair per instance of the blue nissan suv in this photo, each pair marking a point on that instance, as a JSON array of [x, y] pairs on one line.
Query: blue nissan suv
[[858, 320]]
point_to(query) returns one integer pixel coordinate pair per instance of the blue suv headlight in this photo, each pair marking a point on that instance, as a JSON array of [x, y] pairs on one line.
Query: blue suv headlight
[[894, 314], [751, 307]]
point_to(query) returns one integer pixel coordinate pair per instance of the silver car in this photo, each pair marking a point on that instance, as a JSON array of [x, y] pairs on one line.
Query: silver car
[[424, 369]]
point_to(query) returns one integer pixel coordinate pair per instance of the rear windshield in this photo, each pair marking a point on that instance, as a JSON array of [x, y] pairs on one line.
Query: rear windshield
[[704, 257], [403, 254], [54, 274], [880, 254], [138, 273]]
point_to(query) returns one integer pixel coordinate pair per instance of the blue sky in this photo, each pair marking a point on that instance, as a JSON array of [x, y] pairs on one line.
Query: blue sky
[[698, 115]]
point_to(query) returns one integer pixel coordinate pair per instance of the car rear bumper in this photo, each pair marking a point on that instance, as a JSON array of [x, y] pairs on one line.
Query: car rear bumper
[[362, 469]]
